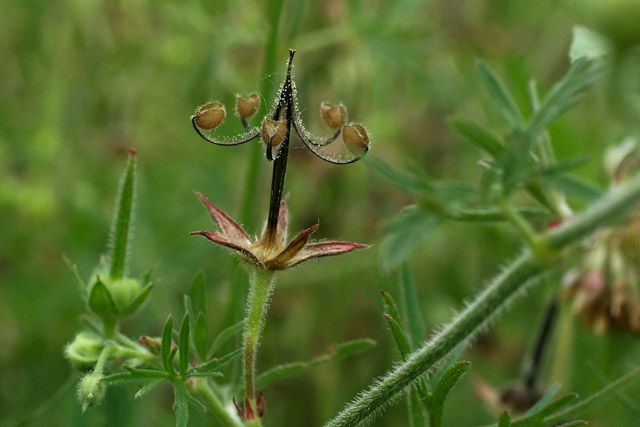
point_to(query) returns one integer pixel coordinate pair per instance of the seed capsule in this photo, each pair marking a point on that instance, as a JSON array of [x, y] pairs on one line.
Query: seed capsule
[[335, 117], [356, 139], [274, 131], [247, 107], [210, 115]]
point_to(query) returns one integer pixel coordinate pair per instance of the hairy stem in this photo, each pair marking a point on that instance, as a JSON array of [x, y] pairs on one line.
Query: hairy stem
[[486, 306], [261, 286]]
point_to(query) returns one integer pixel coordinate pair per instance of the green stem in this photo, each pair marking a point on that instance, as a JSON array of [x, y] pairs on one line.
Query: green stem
[[262, 284], [102, 359], [200, 387], [491, 301]]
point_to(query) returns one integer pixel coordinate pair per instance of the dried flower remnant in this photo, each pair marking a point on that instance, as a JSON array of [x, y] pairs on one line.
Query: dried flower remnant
[[270, 252]]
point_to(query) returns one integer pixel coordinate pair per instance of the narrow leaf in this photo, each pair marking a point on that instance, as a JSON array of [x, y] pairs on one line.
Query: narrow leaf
[[574, 186], [224, 336], [399, 337], [166, 345], [289, 370], [544, 400], [180, 404], [397, 177], [478, 136], [417, 410], [145, 278], [213, 366], [82, 287], [500, 96], [197, 292], [147, 388], [135, 376], [442, 389], [515, 164], [188, 306], [122, 224], [605, 393], [184, 344], [389, 305], [200, 336], [505, 420], [559, 404], [196, 403], [415, 323]]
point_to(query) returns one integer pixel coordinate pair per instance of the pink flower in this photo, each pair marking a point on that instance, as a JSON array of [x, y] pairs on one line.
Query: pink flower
[[270, 252]]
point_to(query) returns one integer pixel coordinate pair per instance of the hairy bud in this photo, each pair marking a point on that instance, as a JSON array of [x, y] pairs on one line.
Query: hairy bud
[[247, 107], [335, 117], [210, 115], [274, 131], [356, 139], [91, 391]]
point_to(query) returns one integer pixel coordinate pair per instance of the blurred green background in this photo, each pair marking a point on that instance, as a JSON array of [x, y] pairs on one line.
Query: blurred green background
[[84, 81]]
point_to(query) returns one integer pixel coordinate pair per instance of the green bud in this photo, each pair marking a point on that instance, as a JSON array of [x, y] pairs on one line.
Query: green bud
[[123, 291], [91, 391], [84, 350]]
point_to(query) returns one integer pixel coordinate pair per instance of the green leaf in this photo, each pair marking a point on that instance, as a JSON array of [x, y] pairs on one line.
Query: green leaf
[[184, 344], [200, 336], [437, 399], [197, 292], [588, 44], [395, 176], [500, 96], [573, 423], [478, 136], [167, 360], [505, 420], [213, 366], [180, 404], [574, 186], [289, 370], [101, 302], [544, 400], [122, 224], [559, 404], [139, 299], [135, 376], [224, 336], [389, 305], [196, 403], [82, 287], [404, 233], [417, 410], [145, 278], [147, 388], [562, 96], [598, 397], [515, 162], [188, 306], [414, 321], [399, 337]]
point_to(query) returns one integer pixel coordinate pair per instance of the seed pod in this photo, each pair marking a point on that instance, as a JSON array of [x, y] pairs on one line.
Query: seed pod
[[210, 115], [247, 107], [274, 131], [356, 139], [335, 117]]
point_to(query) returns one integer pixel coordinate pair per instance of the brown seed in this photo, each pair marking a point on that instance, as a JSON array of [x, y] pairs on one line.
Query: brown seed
[[335, 117], [274, 130], [210, 115], [247, 107], [355, 138]]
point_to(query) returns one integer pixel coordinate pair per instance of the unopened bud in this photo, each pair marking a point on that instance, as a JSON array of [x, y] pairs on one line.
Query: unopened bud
[[124, 292], [356, 139], [335, 117], [84, 350], [210, 115], [247, 107], [91, 391], [274, 131]]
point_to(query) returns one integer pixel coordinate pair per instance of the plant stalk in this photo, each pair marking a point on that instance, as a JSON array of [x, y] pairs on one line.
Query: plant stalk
[[262, 283], [488, 304], [200, 387]]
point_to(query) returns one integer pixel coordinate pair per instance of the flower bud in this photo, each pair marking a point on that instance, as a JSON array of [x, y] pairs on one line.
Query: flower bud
[[91, 391], [84, 350], [335, 117], [274, 131], [247, 107], [356, 139], [210, 115], [123, 291]]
